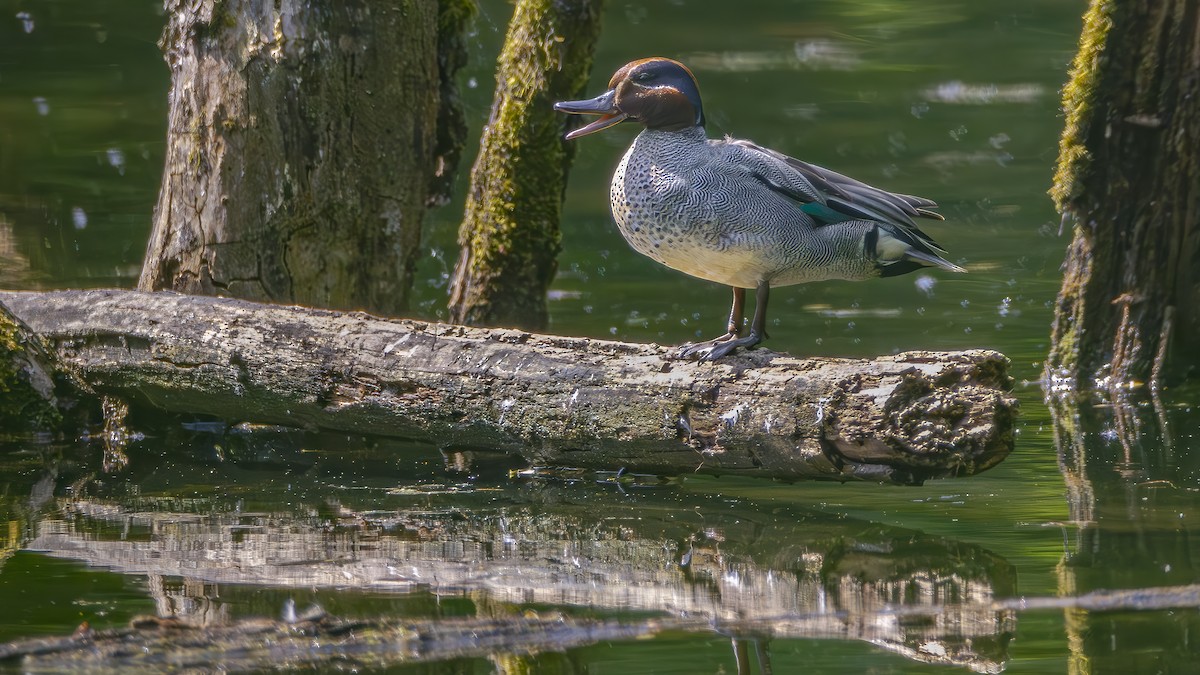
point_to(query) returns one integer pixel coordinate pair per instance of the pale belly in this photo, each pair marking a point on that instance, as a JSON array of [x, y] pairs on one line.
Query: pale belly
[[732, 266]]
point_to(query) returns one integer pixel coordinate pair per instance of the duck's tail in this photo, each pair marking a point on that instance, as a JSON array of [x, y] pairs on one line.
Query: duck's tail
[[900, 250]]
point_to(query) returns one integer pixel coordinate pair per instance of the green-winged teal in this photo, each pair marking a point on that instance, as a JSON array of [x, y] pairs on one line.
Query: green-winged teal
[[740, 214]]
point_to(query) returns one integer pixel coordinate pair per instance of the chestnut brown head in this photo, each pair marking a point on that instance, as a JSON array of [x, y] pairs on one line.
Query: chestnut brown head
[[658, 92]]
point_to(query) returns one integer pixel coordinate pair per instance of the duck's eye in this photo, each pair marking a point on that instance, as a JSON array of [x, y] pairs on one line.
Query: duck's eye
[[644, 76]]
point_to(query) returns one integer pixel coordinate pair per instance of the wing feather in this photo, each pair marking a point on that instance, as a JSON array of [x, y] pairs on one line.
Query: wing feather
[[841, 195]]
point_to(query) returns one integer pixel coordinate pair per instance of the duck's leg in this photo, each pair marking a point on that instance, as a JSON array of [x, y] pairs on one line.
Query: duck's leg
[[736, 314], [732, 330], [715, 349]]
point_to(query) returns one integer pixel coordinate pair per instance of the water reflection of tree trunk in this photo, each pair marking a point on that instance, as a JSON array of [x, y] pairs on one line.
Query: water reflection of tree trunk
[[1129, 179], [1131, 529]]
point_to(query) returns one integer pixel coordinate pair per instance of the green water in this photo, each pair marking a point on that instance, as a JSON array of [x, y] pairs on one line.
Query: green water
[[955, 100]]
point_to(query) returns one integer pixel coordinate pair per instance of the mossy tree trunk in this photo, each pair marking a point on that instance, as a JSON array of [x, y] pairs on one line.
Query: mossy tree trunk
[[510, 235], [305, 141], [1129, 180]]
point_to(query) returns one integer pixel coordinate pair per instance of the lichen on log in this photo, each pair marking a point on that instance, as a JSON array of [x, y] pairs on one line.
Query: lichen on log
[[551, 400]]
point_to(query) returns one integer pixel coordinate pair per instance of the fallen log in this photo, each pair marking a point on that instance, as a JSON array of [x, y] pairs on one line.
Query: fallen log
[[552, 400]]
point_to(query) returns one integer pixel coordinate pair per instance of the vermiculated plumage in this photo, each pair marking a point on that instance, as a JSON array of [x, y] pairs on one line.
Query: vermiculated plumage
[[739, 214]]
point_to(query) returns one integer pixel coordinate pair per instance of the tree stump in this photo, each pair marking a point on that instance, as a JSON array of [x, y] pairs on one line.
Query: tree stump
[[304, 142]]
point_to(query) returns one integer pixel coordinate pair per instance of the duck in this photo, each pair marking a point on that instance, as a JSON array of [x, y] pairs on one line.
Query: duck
[[739, 214]]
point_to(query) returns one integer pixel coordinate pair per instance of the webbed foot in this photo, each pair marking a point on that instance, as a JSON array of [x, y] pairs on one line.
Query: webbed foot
[[711, 350]]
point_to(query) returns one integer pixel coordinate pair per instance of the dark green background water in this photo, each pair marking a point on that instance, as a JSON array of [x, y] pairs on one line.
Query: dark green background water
[[956, 100]]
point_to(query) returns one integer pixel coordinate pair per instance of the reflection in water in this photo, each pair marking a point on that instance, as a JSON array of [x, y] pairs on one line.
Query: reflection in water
[[692, 563], [1133, 504], [962, 93], [734, 571], [817, 54]]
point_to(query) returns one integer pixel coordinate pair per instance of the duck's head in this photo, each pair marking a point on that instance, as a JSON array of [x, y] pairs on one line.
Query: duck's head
[[658, 92]]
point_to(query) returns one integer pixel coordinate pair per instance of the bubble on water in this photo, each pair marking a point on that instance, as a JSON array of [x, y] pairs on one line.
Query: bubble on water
[[921, 310], [79, 218], [819, 340], [925, 284], [116, 159], [958, 132], [999, 140], [472, 83], [965, 303], [967, 330], [612, 330], [587, 309], [43, 108], [1003, 309], [919, 109], [26, 20]]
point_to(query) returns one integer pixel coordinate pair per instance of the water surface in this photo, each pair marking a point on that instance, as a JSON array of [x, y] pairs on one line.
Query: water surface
[[950, 99]]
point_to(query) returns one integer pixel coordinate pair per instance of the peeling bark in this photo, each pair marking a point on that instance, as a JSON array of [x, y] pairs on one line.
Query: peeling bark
[[552, 400], [304, 143], [1129, 180]]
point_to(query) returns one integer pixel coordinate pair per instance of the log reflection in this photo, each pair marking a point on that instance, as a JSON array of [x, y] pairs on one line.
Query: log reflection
[[702, 566], [1134, 512]]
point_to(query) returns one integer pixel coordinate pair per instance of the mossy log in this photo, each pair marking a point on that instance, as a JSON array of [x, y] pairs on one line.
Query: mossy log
[[28, 399], [552, 400], [305, 142], [510, 235], [1129, 180]]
